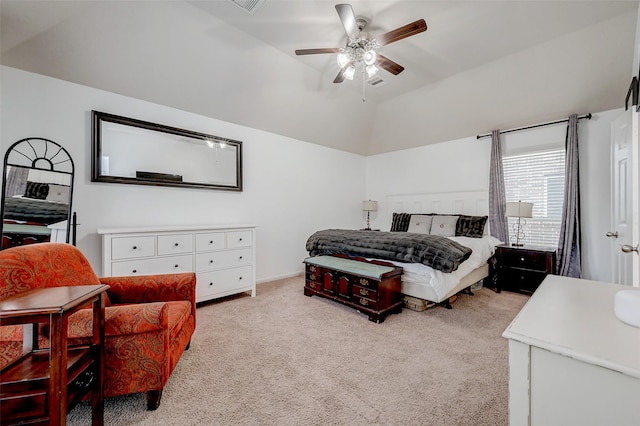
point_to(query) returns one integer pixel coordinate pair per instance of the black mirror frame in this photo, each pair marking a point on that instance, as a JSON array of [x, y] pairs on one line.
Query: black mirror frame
[[98, 117], [49, 156]]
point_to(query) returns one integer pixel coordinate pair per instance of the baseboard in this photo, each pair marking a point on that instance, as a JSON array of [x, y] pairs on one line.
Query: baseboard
[[279, 277]]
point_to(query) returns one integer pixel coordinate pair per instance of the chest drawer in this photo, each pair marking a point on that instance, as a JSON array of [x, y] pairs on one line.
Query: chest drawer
[[236, 239], [223, 259], [175, 244], [367, 293], [536, 260], [133, 247], [157, 265], [210, 241]]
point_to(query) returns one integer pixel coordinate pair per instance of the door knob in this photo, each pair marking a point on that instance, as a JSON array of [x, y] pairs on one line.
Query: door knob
[[626, 248], [612, 234]]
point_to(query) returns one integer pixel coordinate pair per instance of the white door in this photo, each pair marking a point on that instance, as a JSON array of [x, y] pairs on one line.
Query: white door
[[624, 200]]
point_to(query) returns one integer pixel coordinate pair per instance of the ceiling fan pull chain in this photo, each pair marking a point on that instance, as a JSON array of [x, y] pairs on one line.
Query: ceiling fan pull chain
[[363, 84]]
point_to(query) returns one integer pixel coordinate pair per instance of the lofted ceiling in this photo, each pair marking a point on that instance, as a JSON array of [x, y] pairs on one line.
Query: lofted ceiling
[[481, 65]]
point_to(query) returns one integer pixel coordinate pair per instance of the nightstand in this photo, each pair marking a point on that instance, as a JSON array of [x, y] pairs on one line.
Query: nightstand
[[522, 269]]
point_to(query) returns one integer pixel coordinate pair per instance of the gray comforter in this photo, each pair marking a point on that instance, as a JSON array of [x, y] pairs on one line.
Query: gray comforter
[[437, 252]]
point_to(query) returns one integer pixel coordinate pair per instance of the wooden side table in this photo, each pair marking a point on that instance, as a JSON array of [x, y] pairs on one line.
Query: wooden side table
[[42, 385], [522, 269]]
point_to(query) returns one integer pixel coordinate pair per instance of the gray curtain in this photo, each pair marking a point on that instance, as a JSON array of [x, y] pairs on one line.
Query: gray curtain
[[569, 264], [497, 200], [16, 181]]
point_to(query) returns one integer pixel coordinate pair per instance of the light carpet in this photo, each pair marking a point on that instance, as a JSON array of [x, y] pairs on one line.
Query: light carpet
[[283, 358]]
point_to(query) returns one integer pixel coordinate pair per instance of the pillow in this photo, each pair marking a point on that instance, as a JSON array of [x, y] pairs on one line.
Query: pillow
[[58, 193], [471, 226], [420, 223], [36, 190], [400, 222], [444, 225]]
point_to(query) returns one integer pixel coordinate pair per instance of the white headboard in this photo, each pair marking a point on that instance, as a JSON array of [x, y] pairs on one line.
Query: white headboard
[[473, 203]]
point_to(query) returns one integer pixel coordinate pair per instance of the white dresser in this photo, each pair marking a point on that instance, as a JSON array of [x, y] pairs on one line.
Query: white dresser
[[223, 257], [571, 360]]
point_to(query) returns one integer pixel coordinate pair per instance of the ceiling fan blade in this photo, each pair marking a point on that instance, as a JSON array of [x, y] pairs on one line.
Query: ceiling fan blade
[[348, 18], [316, 51], [389, 65], [405, 31]]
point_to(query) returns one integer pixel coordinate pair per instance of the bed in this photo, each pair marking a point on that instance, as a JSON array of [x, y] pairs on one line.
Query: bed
[[420, 280], [34, 211]]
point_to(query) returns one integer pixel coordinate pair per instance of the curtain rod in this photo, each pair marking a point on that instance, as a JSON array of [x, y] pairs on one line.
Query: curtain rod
[[587, 116]]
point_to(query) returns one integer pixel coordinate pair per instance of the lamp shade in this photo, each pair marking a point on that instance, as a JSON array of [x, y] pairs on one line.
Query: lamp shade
[[369, 206], [519, 209]]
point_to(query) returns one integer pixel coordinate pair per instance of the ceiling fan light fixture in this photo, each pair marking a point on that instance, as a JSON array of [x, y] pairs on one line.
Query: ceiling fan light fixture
[[349, 72], [370, 57], [343, 58], [371, 70]]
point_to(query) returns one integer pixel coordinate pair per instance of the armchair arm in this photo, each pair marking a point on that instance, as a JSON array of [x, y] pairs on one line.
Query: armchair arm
[[152, 288]]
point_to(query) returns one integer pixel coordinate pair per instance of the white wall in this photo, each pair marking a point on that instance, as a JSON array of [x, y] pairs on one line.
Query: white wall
[[463, 165], [291, 188]]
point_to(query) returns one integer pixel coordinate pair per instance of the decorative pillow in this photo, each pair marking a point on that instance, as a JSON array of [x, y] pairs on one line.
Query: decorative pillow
[[471, 226], [36, 190], [420, 223], [444, 225], [58, 193], [400, 222]]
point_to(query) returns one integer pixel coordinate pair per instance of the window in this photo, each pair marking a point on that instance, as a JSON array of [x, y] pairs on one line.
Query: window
[[538, 178]]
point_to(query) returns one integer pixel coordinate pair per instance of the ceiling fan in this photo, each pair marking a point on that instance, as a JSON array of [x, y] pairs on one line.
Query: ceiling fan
[[360, 51]]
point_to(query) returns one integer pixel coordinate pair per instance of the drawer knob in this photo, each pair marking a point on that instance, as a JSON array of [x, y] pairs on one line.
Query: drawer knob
[[240, 257], [211, 261], [364, 291], [522, 259], [175, 266], [312, 277], [364, 302], [134, 271], [135, 247], [176, 244], [364, 281], [211, 242], [240, 278], [312, 268], [239, 239], [210, 283]]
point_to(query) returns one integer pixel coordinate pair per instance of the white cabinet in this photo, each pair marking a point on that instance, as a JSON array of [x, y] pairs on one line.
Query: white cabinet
[[571, 361], [223, 257]]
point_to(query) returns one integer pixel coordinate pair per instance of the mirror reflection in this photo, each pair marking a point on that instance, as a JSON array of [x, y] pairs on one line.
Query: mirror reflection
[[134, 151], [36, 193]]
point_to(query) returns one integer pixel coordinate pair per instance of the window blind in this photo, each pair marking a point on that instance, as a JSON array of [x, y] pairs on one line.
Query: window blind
[[537, 177]]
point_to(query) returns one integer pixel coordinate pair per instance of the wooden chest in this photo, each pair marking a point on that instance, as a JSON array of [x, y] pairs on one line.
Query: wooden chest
[[371, 287]]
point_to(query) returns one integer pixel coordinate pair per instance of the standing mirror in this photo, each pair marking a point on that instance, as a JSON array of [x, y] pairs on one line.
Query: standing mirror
[[36, 193]]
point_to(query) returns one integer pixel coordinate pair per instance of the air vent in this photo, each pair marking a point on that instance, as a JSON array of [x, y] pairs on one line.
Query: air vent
[[376, 81], [249, 6]]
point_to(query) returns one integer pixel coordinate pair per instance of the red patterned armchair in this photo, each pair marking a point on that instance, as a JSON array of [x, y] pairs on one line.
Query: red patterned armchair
[[149, 319]]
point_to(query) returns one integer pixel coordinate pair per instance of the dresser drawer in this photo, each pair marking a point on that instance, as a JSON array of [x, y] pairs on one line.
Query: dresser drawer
[[223, 259], [133, 247], [236, 239], [536, 260], [210, 241], [175, 244], [157, 265], [226, 280]]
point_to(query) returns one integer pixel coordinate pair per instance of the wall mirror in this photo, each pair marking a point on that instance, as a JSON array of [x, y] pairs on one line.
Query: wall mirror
[[132, 151], [36, 193]]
